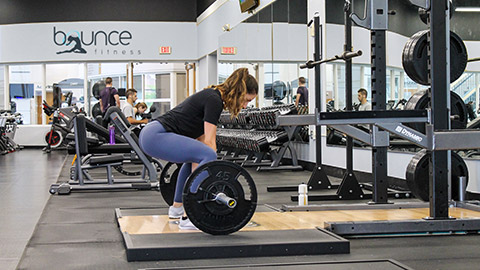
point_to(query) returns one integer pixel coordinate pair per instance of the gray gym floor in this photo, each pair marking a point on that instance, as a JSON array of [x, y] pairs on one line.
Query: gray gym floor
[[79, 231], [24, 177]]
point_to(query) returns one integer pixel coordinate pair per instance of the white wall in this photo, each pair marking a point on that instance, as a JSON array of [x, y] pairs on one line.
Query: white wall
[[252, 40], [42, 42], [202, 73], [210, 28], [361, 41], [266, 42]]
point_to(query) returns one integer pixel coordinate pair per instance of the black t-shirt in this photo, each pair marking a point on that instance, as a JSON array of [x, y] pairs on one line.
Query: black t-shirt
[[303, 91], [189, 116]]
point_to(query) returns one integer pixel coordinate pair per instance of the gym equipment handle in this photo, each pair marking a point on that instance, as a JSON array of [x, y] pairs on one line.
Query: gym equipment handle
[[345, 56], [349, 55]]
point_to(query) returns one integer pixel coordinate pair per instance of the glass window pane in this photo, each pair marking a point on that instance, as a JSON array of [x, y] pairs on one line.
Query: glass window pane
[[69, 78], [137, 85], [161, 107], [162, 82], [25, 92]]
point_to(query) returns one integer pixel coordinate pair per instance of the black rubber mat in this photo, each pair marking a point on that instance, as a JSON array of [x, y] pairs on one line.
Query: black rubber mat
[[197, 245], [76, 233], [110, 200], [337, 265], [78, 215], [88, 214]]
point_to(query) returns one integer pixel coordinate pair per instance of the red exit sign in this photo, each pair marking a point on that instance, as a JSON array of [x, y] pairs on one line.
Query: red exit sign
[[165, 50], [229, 50]]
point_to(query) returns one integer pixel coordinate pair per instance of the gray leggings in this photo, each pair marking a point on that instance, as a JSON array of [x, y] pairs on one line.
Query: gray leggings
[[169, 146]]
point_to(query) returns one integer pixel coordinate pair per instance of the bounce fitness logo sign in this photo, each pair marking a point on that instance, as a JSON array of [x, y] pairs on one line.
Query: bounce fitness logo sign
[[94, 42]]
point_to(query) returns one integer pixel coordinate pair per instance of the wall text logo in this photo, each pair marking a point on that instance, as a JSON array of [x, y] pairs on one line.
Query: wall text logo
[[80, 39]]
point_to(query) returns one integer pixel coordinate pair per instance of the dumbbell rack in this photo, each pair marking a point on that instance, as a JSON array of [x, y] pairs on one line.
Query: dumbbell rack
[[257, 133]]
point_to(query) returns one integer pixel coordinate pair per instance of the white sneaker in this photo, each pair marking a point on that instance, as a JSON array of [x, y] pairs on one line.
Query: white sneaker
[[175, 212], [186, 224]]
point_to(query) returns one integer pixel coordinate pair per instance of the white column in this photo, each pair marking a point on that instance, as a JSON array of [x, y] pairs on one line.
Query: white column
[[362, 77], [6, 87], [335, 87], [477, 93], [44, 90], [392, 84], [86, 98], [401, 87], [173, 89], [261, 85]]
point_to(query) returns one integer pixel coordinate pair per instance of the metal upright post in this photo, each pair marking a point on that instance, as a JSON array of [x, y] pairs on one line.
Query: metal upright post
[[349, 186], [376, 19], [318, 179], [379, 87], [348, 79], [439, 44]]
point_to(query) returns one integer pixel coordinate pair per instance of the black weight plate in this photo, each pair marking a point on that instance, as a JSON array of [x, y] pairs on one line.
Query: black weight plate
[[96, 110], [168, 181], [213, 217], [407, 60], [415, 63], [97, 88], [418, 171], [423, 14], [421, 101]]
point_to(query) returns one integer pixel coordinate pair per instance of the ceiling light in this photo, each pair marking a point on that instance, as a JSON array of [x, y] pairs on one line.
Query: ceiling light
[[467, 9]]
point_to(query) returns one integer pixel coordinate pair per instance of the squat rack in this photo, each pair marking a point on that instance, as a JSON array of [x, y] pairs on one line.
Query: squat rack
[[438, 138]]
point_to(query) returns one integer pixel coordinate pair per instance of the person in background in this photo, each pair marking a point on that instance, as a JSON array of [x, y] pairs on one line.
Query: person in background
[[139, 109], [362, 97], [470, 111], [302, 93], [109, 96], [128, 109]]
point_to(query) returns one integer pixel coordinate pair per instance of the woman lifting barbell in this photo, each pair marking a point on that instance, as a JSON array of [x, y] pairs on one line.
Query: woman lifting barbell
[[186, 134]]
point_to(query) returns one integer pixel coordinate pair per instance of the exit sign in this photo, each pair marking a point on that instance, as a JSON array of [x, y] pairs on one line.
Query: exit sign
[[229, 50], [165, 50]]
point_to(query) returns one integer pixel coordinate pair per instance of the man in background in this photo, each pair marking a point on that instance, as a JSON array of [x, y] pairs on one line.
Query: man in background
[[362, 97], [470, 111], [302, 93], [109, 96], [128, 109]]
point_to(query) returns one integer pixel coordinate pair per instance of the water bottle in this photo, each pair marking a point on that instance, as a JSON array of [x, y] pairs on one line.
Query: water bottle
[[111, 129], [302, 194]]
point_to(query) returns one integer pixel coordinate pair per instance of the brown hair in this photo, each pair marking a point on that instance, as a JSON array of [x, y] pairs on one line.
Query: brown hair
[[363, 91], [302, 80], [108, 80], [141, 104], [234, 89], [130, 92]]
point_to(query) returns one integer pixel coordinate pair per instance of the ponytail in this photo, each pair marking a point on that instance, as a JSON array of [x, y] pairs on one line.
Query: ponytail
[[234, 89]]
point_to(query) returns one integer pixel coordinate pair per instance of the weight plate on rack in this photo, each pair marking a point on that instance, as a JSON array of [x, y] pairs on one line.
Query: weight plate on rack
[[168, 181], [224, 201], [97, 88], [423, 14], [418, 172], [421, 101], [415, 57]]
